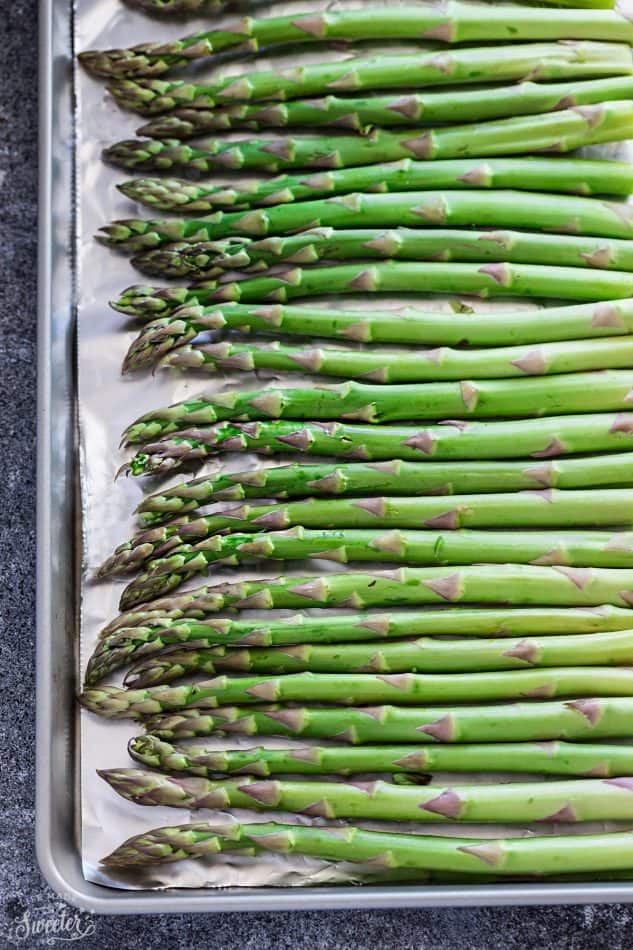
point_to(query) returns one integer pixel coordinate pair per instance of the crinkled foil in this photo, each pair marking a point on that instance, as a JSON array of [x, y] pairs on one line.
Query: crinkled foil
[[107, 403]]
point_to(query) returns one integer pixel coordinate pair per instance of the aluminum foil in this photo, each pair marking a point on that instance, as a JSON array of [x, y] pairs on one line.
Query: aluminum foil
[[107, 403]]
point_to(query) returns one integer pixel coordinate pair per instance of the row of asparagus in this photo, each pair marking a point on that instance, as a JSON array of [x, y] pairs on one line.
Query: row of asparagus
[[362, 114], [408, 326], [544, 62], [547, 515]]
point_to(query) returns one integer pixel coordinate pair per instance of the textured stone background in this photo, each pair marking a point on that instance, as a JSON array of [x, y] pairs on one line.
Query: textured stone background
[[21, 885]]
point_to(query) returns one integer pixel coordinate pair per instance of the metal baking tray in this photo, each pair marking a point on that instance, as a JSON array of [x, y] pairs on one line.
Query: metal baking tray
[[57, 576]]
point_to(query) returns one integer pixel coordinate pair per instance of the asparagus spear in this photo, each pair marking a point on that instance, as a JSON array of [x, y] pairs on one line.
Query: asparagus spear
[[118, 646], [361, 115], [424, 209], [453, 22], [560, 131], [210, 259], [417, 209], [396, 326], [534, 509], [553, 758], [480, 399], [508, 857], [397, 478], [385, 366], [603, 718], [405, 689], [534, 438], [541, 61], [403, 656], [487, 280], [565, 801], [512, 585], [573, 176]]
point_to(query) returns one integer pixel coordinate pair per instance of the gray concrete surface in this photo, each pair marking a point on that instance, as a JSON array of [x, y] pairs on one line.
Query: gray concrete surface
[[22, 889]]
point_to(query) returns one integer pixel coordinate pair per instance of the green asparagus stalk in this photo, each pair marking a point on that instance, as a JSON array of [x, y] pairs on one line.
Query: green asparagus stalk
[[405, 689], [425, 655], [447, 23], [409, 325], [603, 718], [210, 259], [487, 280], [560, 131], [511, 585], [571, 60], [534, 438], [554, 758], [118, 646], [389, 366], [397, 478], [507, 857], [361, 115], [423, 209], [543, 508], [564, 801], [573, 176], [480, 399]]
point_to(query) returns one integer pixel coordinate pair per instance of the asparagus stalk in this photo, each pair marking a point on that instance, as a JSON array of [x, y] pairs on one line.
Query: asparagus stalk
[[118, 646], [534, 509], [397, 478], [534, 438], [555, 758], [560, 131], [541, 61], [447, 23], [424, 209], [507, 857], [404, 656], [574, 176], [487, 280], [210, 259], [409, 325], [511, 585], [405, 689], [603, 718], [480, 399], [385, 366], [361, 115], [564, 801]]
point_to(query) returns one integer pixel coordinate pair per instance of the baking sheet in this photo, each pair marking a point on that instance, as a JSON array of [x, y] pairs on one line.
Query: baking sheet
[[107, 403]]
